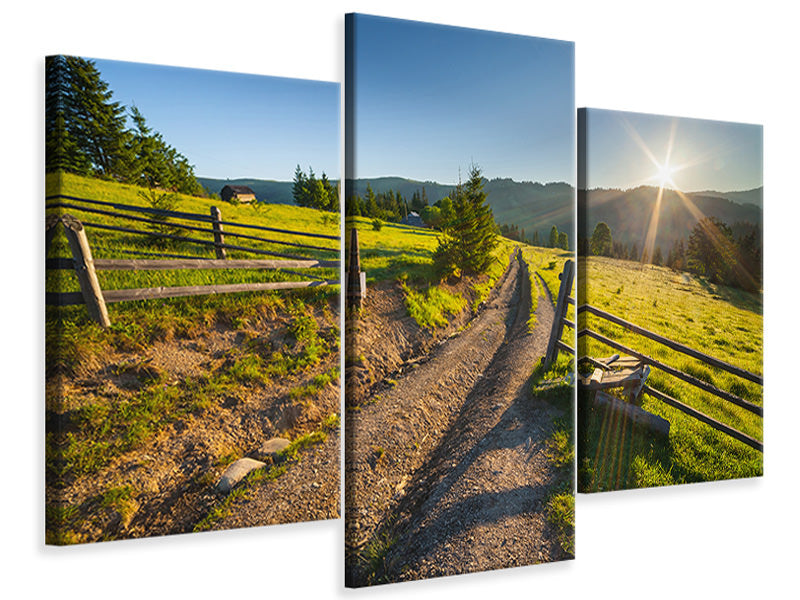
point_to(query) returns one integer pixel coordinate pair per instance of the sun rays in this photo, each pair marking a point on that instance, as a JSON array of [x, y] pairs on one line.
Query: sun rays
[[664, 179]]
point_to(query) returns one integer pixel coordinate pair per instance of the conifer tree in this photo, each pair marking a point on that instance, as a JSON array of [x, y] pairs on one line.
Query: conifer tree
[[553, 237], [601, 242], [467, 243]]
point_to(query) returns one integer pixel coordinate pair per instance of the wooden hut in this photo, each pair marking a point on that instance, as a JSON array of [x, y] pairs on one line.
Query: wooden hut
[[237, 194]]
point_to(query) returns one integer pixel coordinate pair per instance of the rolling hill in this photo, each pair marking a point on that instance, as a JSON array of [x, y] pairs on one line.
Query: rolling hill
[[273, 192], [628, 213], [531, 206]]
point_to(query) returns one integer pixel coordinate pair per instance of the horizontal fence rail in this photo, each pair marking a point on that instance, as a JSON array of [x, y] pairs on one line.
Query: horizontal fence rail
[[180, 238], [677, 346], [95, 299], [139, 264], [187, 216], [184, 226], [690, 379]]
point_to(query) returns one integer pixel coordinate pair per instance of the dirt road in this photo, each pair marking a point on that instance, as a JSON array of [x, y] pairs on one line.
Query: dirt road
[[447, 472]]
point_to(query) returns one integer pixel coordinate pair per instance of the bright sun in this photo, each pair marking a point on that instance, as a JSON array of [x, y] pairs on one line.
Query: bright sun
[[664, 175]]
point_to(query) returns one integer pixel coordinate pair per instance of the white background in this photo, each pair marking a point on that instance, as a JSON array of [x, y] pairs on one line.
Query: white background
[[721, 60]]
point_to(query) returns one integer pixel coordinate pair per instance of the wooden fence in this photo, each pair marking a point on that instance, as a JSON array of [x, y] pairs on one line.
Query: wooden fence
[[567, 276], [690, 379], [86, 266]]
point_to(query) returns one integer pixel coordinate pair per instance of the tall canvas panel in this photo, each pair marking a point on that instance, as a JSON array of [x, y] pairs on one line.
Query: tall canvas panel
[[459, 227], [192, 319], [671, 340]]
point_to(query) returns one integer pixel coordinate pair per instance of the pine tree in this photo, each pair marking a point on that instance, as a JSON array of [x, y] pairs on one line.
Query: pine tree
[[467, 243], [85, 132], [601, 242], [658, 259], [85, 129], [370, 204], [299, 185], [553, 243]]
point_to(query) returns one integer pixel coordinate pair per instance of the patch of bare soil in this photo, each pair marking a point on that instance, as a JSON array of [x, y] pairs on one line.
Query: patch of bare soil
[[385, 341], [448, 471], [169, 479]]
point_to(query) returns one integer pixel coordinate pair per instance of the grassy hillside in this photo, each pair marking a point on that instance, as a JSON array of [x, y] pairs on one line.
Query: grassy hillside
[[546, 264], [394, 250], [220, 356], [404, 253], [531, 206], [109, 244], [726, 323], [627, 213]]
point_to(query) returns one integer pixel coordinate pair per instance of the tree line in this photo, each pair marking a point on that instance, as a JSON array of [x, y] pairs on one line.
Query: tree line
[[87, 133], [392, 206], [311, 192], [723, 254]]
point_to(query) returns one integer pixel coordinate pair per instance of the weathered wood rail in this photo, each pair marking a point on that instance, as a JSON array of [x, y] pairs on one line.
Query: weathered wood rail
[[554, 345], [122, 211], [690, 379], [86, 266]]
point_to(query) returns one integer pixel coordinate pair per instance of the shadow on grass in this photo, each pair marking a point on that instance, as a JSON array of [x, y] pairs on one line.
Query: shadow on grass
[[741, 299]]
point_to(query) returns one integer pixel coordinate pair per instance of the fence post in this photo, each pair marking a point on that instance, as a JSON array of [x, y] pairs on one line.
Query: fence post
[[564, 289], [84, 268], [51, 221], [218, 237], [356, 280]]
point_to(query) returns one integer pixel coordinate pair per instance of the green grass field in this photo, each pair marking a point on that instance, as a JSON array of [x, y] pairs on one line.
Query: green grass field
[[112, 244], [99, 426], [135, 324], [548, 263], [405, 254], [726, 323]]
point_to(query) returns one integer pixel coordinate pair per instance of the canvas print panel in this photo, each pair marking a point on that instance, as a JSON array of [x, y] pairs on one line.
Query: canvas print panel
[[459, 223], [670, 292], [192, 316]]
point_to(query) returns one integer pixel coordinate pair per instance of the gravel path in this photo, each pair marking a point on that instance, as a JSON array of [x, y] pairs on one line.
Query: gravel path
[[308, 491], [447, 472]]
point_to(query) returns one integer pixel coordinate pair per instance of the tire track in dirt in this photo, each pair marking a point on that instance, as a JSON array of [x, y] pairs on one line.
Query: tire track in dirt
[[448, 473]]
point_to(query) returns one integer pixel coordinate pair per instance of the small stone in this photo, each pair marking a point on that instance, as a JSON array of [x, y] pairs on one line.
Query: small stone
[[236, 472], [271, 448]]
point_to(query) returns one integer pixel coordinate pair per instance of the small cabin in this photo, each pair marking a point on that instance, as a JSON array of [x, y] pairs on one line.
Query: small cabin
[[237, 194], [414, 220]]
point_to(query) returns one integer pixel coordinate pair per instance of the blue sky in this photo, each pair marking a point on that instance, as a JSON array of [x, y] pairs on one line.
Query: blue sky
[[232, 125], [431, 99], [624, 150]]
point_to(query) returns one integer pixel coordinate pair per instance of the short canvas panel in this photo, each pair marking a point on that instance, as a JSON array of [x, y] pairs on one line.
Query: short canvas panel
[[670, 346], [459, 225], [192, 291]]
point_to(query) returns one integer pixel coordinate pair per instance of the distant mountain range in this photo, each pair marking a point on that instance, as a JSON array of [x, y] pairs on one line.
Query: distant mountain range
[[531, 206], [628, 212], [274, 192], [537, 207], [754, 196]]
